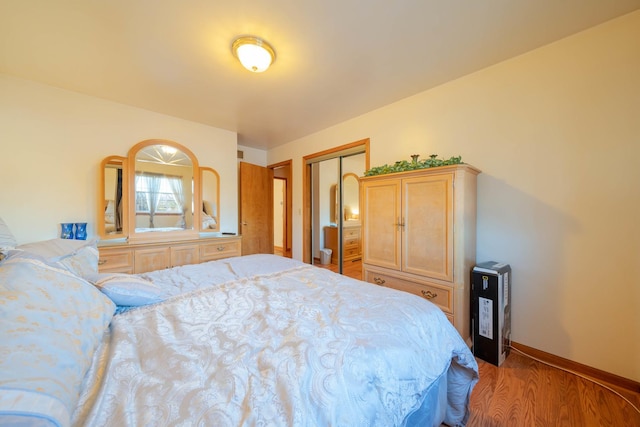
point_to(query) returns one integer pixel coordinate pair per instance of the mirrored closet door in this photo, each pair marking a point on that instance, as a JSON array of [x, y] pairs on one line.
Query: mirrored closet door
[[336, 229]]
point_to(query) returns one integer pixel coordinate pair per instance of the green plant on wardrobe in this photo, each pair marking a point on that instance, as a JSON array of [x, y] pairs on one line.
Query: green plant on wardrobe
[[413, 164]]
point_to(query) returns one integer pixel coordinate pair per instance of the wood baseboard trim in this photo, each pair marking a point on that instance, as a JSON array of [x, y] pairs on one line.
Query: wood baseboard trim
[[587, 371]]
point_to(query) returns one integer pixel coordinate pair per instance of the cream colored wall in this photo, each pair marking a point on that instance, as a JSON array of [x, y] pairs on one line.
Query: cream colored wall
[[556, 133], [253, 155], [52, 142]]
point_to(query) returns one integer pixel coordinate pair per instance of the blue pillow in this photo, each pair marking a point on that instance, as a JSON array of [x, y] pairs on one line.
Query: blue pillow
[[127, 289]]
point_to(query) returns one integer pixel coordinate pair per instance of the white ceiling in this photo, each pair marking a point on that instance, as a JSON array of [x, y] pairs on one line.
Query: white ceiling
[[336, 59]]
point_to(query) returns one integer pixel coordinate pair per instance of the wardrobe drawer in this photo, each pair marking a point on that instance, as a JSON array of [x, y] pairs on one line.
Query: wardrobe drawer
[[437, 294]]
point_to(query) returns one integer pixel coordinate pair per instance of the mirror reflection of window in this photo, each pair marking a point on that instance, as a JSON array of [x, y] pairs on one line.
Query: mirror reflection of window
[[163, 189], [159, 194]]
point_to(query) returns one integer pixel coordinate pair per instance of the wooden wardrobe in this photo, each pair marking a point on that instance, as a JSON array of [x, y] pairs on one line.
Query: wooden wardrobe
[[419, 236]]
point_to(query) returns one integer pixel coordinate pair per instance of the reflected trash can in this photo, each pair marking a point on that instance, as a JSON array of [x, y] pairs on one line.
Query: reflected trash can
[[325, 256]]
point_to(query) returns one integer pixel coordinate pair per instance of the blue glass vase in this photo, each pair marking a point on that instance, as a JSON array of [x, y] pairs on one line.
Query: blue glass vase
[[81, 231], [66, 230]]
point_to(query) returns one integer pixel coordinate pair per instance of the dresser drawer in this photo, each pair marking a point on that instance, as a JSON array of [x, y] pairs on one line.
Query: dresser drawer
[[115, 261], [441, 296], [184, 255], [218, 250], [152, 259], [350, 233], [351, 252], [352, 242]]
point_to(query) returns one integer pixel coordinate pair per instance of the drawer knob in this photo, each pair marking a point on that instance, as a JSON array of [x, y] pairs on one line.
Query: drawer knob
[[102, 261], [220, 248], [429, 294], [379, 281]]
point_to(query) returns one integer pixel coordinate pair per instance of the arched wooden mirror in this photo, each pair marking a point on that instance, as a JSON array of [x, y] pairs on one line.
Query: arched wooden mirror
[[351, 197], [164, 189], [157, 193], [112, 199], [210, 183]]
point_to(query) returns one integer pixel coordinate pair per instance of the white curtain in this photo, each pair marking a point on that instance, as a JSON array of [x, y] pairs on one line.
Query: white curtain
[[152, 184], [117, 215], [178, 193]]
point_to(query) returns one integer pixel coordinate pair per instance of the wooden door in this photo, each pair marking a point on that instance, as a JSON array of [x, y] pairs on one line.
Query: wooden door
[[427, 236], [256, 209], [381, 222]]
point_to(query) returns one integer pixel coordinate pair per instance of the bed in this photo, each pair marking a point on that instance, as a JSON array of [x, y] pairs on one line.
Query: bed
[[258, 340]]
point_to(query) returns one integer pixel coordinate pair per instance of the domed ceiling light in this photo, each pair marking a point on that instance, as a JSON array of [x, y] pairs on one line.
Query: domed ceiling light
[[255, 54]]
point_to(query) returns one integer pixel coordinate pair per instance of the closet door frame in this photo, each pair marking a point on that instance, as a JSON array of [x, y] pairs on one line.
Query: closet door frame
[[361, 146]]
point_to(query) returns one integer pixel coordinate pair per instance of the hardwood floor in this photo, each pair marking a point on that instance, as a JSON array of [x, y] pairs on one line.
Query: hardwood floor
[[525, 392], [351, 269]]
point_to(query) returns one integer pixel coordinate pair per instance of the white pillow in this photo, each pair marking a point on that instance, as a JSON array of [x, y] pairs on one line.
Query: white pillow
[[208, 221], [55, 248], [127, 289], [52, 322], [7, 240], [78, 256], [207, 207]]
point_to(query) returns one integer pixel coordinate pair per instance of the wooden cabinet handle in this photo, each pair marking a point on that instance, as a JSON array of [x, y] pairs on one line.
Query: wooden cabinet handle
[[429, 294], [379, 281], [220, 248], [102, 261]]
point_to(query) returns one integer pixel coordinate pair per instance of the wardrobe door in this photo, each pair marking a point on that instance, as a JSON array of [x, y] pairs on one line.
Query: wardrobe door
[[427, 215], [382, 227]]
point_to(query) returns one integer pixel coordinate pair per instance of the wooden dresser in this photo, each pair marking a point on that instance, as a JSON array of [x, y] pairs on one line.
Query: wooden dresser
[[143, 257], [419, 236], [351, 241]]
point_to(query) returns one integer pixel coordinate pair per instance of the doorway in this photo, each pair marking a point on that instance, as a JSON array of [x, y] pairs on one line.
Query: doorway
[[279, 216], [282, 208], [332, 233]]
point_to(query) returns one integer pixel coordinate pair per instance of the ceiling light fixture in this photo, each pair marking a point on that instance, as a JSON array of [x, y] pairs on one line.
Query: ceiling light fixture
[[254, 54]]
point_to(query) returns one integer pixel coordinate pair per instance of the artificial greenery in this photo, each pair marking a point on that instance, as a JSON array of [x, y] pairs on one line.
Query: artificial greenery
[[414, 164]]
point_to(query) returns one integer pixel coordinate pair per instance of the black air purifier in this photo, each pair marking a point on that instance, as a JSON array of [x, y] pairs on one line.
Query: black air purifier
[[491, 311]]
